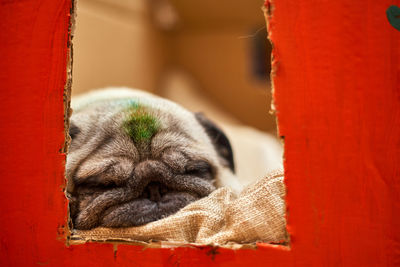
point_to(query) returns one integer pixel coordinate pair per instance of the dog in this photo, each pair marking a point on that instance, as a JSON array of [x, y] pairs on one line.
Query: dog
[[135, 158]]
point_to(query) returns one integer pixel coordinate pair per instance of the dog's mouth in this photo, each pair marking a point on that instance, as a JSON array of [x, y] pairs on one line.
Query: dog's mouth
[[113, 208], [156, 202]]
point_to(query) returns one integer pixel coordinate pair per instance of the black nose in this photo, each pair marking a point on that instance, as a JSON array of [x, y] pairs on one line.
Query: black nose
[[155, 191]]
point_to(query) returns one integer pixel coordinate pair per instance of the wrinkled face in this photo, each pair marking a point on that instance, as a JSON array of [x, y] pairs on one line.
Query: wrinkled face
[[131, 163]]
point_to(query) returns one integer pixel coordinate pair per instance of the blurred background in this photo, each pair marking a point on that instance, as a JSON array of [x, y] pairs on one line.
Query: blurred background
[[210, 56]]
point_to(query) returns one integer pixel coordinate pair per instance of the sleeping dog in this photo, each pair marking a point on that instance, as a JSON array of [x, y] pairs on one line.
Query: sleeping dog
[[135, 158]]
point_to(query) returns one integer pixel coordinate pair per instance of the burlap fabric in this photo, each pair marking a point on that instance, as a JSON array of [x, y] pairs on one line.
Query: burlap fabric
[[257, 214]]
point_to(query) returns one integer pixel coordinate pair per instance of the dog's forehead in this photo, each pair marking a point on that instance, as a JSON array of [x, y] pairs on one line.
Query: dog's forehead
[[144, 117], [123, 100]]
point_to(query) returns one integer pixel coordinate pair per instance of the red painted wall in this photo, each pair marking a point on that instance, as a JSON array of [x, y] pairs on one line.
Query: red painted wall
[[337, 95]]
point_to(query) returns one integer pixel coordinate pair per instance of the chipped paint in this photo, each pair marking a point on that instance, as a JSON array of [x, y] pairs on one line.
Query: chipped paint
[[393, 16], [213, 252]]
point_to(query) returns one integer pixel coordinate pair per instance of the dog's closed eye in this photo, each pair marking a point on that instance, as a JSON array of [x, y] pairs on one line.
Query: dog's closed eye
[[95, 182], [199, 168]]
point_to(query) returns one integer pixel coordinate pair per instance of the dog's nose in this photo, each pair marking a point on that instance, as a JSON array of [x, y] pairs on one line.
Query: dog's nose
[[155, 191]]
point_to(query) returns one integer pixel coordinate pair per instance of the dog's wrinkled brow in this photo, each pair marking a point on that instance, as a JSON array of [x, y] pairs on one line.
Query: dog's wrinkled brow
[[179, 152], [176, 160], [165, 140]]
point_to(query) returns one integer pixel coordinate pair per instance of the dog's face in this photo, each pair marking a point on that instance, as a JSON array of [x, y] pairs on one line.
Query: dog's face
[[136, 158]]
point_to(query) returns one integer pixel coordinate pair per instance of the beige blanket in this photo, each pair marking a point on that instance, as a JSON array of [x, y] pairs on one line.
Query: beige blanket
[[256, 215]]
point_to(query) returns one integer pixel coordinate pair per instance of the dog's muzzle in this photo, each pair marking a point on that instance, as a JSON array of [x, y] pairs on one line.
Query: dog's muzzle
[[152, 192]]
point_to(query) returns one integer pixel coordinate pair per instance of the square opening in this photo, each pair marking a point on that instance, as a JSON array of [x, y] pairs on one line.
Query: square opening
[[208, 59]]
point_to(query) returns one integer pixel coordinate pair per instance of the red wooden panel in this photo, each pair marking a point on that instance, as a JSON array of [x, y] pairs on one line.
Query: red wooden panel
[[33, 56], [337, 92]]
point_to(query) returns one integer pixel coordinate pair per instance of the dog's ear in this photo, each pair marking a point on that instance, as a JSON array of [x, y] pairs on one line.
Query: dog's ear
[[218, 138]]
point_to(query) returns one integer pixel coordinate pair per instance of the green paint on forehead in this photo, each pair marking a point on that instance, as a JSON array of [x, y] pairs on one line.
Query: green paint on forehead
[[139, 124]]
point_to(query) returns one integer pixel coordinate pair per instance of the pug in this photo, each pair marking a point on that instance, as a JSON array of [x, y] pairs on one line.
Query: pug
[[135, 158]]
